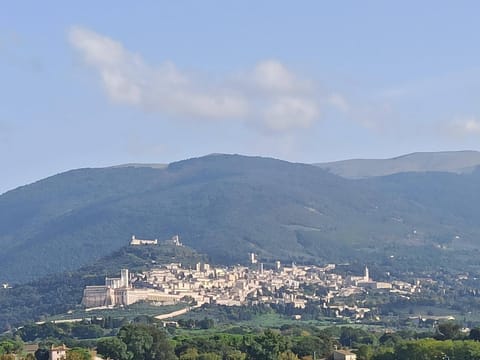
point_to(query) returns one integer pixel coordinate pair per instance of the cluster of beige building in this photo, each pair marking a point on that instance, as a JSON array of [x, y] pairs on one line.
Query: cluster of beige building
[[240, 285], [121, 292]]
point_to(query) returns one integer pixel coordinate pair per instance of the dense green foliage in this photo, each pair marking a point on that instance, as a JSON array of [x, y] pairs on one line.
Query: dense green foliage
[[152, 342], [63, 332], [137, 342], [273, 345], [10, 346], [227, 206], [113, 348]]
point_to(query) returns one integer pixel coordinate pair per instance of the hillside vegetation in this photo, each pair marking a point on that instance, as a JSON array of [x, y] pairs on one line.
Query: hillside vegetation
[[229, 205]]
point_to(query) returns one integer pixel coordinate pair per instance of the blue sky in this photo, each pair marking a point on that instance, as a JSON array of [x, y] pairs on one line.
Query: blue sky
[[92, 83]]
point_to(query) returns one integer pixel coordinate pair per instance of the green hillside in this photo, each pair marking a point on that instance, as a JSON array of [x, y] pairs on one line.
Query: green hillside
[[227, 206]]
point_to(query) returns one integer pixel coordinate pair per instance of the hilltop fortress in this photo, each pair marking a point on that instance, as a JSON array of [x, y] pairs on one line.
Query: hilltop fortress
[[175, 240], [120, 292]]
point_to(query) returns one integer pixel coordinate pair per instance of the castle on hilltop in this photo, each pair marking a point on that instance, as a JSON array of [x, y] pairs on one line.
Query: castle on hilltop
[[175, 240], [120, 292], [136, 241]]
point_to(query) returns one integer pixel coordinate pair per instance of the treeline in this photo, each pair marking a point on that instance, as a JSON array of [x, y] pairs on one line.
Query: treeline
[[223, 313], [63, 332], [143, 341], [424, 349], [152, 342]]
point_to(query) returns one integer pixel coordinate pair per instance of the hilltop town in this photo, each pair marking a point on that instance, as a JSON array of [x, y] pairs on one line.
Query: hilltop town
[[242, 285], [234, 300]]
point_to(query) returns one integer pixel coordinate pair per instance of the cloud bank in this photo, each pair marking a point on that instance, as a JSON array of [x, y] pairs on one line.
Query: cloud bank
[[269, 94]]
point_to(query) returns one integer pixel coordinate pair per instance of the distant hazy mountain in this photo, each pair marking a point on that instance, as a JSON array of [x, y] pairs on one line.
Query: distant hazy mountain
[[140, 165], [458, 162], [229, 205]]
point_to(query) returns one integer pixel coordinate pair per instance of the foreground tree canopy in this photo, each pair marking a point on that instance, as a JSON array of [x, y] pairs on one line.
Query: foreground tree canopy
[[137, 342]]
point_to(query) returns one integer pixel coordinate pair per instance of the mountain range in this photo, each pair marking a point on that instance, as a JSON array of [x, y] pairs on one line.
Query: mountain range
[[229, 205], [458, 162]]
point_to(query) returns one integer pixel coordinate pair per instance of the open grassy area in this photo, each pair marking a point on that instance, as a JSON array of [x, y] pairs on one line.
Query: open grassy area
[[128, 312]]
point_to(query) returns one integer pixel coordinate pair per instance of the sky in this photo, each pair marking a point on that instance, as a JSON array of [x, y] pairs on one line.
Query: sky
[[101, 83]]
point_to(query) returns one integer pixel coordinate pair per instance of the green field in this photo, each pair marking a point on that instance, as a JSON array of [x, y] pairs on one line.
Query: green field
[[128, 312]]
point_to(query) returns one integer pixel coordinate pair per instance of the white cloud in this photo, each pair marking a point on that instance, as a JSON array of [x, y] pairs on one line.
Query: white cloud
[[128, 79], [273, 76], [339, 102], [287, 112], [270, 95], [471, 126], [465, 126]]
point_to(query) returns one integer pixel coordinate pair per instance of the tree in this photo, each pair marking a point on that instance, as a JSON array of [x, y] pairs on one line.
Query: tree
[[236, 355], [389, 339], [78, 354], [448, 331], [206, 323], [189, 354], [8, 357], [365, 352], [209, 356], [287, 355], [86, 331], [266, 346], [146, 342], [10, 346], [475, 334], [41, 354], [138, 340], [350, 336], [307, 345], [162, 348], [113, 348]]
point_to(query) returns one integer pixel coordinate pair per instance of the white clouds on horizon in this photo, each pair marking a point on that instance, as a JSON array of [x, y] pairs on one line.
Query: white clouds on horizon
[[129, 80], [464, 126], [270, 96], [272, 76]]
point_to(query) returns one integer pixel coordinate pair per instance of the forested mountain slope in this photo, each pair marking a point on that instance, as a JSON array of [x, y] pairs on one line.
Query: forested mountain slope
[[227, 206]]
